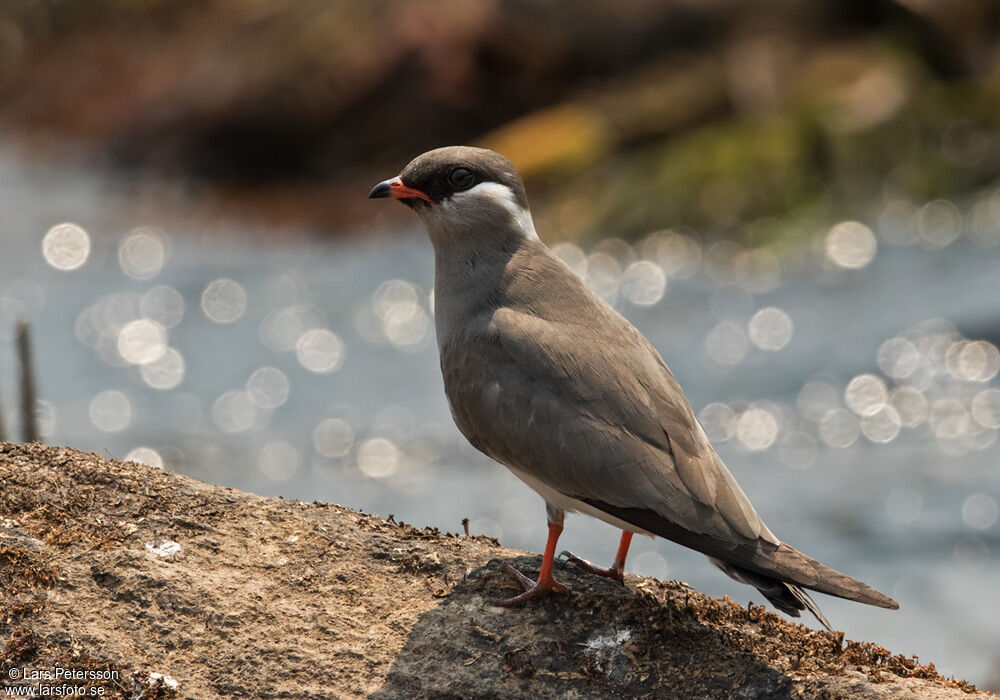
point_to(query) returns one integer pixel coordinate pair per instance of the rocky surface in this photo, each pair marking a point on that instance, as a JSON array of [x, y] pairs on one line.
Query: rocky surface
[[177, 588]]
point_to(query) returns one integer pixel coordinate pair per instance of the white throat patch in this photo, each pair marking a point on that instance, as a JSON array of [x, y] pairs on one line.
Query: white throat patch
[[499, 194]]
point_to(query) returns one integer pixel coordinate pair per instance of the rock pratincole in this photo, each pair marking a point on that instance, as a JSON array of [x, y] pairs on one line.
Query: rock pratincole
[[549, 380]]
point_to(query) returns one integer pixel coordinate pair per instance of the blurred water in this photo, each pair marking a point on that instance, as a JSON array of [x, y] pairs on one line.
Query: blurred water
[[309, 370]]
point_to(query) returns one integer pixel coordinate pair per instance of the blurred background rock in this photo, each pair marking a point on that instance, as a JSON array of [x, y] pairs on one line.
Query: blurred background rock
[[747, 114], [798, 203]]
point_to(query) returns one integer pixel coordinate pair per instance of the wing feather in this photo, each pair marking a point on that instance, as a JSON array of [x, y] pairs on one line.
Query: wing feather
[[591, 410], [557, 385]]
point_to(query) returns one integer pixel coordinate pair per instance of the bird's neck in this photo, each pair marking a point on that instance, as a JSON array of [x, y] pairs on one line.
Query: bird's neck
[[470, 276]]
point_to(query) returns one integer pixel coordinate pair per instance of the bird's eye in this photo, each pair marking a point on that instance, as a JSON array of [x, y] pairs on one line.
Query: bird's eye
[[461, 178]]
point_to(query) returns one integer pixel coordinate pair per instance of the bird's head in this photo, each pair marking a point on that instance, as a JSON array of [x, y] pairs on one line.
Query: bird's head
[[461, 191]]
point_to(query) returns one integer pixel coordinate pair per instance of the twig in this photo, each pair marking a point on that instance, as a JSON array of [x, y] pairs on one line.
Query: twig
[[29, 427], [3, 433]]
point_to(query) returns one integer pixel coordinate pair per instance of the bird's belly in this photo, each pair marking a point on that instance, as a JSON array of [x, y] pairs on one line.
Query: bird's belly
[[573, 505]]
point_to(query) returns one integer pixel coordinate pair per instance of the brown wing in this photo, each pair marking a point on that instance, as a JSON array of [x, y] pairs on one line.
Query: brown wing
[[589, 408], [583, 403]]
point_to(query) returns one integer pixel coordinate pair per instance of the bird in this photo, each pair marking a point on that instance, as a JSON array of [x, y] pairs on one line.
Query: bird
[[545, 377]]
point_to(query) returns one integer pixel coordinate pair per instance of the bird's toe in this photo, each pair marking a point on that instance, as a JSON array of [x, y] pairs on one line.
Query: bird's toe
[[532, 589], [614, 573]]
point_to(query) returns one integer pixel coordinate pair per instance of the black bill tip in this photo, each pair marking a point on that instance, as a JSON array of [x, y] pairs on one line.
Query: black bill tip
[[380, 191]]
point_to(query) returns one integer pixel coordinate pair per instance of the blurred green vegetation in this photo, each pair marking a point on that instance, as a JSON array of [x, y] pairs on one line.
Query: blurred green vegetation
[[758, 121], [838, 145]]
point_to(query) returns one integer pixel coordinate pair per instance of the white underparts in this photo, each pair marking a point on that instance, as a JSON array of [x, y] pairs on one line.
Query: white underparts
[[497, 194], [573, 505]]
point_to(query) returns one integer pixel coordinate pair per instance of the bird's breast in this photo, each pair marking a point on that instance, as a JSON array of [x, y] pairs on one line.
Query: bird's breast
[[490, 400]]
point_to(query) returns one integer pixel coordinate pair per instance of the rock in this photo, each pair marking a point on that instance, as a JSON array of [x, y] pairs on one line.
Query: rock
[[274, 598]]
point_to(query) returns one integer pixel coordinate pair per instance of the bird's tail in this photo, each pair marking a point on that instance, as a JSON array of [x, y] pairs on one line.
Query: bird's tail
[[786, 597], [789, 571], [794, 567]]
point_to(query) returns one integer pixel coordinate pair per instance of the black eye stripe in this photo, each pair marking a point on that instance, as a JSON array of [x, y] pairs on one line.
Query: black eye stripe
[[440, 179]]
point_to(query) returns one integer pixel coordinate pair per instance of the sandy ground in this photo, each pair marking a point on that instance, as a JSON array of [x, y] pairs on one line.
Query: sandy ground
[[168, 587]]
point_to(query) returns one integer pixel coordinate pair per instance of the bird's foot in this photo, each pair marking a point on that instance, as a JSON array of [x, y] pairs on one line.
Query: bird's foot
[[532, 589], [616, 572]]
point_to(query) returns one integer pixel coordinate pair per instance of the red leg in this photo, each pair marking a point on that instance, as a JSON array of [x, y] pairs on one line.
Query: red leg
[[617, 570], [623, 546], [546, 584]]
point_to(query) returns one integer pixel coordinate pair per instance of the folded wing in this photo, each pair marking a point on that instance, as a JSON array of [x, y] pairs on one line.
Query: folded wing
[[588, 407]]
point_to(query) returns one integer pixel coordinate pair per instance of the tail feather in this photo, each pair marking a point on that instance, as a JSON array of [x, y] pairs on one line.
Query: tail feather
[[758, 558], [798, 569], [786, 597], [810, 605]]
